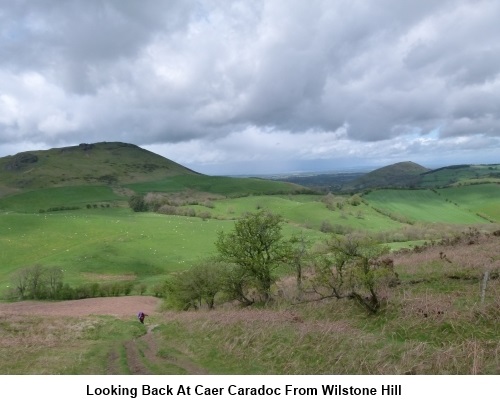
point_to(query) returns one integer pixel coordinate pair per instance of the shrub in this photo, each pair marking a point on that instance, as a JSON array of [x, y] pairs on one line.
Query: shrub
[[137, 203], [349, 267]]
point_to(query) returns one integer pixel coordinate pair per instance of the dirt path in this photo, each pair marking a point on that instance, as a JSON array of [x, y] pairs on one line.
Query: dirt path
[[116, 306], [143, 357], [141, 354]]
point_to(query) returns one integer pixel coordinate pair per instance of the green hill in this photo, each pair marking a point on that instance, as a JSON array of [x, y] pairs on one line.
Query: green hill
[[109, 173], [104, 163], [399, 175], [404, 174], [412, 175]]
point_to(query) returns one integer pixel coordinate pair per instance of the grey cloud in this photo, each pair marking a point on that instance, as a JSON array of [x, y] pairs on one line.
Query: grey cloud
[[67, 39], [166, 72]]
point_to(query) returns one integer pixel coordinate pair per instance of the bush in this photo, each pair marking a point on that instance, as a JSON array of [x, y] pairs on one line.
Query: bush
[[195, 287], [137, 203], [349, 267], [257, 247]]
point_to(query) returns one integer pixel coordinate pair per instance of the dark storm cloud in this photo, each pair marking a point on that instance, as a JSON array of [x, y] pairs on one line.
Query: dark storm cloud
[[217, 71]]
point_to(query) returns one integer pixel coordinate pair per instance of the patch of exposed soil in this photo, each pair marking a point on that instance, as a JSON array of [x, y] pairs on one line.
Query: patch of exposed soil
[[116, 306]]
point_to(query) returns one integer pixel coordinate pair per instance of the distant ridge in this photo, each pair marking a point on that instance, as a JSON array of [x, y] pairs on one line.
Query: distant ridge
[[87, 163], [399, 175]]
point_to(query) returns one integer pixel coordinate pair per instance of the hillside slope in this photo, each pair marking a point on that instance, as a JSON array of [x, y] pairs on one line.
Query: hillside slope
[[105, 163]]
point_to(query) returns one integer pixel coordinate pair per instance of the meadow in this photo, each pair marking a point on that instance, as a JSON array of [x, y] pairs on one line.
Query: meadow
[[461, 175], [104, 240], [432, 207]]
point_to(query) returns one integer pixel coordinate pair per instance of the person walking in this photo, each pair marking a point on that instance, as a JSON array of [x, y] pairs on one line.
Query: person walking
[[141, 315]]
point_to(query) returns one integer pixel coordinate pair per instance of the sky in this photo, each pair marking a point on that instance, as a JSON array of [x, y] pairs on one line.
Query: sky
[[253, 86]]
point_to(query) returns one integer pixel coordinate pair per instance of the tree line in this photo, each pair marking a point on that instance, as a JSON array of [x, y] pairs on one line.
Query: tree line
[[40, 282]]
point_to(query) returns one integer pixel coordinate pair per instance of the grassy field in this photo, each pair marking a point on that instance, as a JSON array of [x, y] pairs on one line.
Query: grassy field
[[425, 206], [461, 174], [436, 321], [481, 198], [76, 196], [110, 242], [92, 244], [227, 186]]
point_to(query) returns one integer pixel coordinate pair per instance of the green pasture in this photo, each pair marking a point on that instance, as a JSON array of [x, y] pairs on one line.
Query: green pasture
[[481, 198], [116, 242], [110, 244], [422, 206], [70, 196], [229, 186], [113, 243], [308, 212], [461, 175]]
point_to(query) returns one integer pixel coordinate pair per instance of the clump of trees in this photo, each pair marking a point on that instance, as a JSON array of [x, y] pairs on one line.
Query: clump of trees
[[175, 205], [38, 282], [47, 283], [60, 208], [137, 203], [245, 270]]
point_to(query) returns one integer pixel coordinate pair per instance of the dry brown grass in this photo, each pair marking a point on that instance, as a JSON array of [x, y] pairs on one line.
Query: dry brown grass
[[434, 323], [43, 345], [470, 255], [93, 277]]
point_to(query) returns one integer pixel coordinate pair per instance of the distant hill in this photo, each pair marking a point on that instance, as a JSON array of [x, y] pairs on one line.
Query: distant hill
[[403, 174], [116, 165], [106, 163]]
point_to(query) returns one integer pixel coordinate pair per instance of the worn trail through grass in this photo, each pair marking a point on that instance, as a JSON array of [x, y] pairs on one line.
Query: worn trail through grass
[[142, 356]]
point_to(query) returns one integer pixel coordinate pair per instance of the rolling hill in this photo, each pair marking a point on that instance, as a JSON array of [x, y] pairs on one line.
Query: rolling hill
[[119, 168], [406, 175], [104, 163]]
